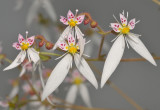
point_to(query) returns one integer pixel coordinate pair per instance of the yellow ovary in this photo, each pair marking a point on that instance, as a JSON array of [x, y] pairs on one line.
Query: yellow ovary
[[72, 23], [25, 46], [72, 49], [77, 81], [124, 30]]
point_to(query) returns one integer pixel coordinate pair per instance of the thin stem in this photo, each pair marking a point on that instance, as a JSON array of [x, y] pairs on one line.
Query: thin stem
[[101, 46], [7, 60], [119, 91], [48, 53], [124, 60]]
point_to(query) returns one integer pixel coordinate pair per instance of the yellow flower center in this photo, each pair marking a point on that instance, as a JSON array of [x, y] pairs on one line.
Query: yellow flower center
[[25, 46], [72, 49], [77, 81], [124, 29], [72, 23]]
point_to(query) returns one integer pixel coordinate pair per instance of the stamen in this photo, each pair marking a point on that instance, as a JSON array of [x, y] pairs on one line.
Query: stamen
[[26, 34], [116, 20]]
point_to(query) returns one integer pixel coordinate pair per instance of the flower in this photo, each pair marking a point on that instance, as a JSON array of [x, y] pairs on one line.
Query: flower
[[25, 45], [72, 21], [116, 51], [78, 87], [33, 10], [62, 68]]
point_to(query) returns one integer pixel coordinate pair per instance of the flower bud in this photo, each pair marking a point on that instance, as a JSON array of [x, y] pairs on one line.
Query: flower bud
[[86, 21], [49, 45], [93, 24], [41, 43]]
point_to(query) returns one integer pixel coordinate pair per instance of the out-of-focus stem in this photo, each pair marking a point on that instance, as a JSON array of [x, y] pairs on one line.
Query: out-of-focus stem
[[156, 1], [118, 90], [48, 53], [124, 60]]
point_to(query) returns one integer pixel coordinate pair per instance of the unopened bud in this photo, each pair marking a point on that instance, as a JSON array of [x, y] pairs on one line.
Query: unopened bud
[[93, 24], [49, 45], [86, 21], [41, 43]]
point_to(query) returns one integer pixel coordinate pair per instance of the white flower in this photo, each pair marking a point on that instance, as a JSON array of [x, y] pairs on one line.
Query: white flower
[[78, 87], [72, 21], [116, 51], [62, 68], [33, 11], [25, 45]]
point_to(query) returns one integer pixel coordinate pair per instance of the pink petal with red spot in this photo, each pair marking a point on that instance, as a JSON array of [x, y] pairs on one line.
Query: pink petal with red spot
[[71, 39], [70, 15], [132, 23], [64, 20], [16, 45], [115, 27], [30, 40], [123, 19], [63, 45], [21, 39], [80, 19]]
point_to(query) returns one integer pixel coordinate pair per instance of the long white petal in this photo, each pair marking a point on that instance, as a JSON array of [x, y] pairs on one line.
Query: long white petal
[[32, 12], [57, 76], [33, 54], [22, 71], [47, 5], [85, 70], [78, 33], [13, 92], [113, 59], [42, 80], [85, 94], [140, 48], [62, 37], [72, 93], [19, 59]]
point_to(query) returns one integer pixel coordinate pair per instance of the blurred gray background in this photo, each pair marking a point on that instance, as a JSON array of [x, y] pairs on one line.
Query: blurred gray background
[[139, 80]]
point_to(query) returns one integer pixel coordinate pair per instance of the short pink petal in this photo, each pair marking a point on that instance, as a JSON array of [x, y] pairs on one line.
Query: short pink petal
[[17, 46], [70, 15], [63, 45], [132, 23], [80, 19], [20, 39], [30, 40], [64, 20], [123, 19], [116, 26], [71, 39]]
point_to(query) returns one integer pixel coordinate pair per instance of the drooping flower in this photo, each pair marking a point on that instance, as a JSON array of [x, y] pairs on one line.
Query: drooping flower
[[25, 45], [78, 87], [116, 52], [72, 21], [33, 10], [62, 68]]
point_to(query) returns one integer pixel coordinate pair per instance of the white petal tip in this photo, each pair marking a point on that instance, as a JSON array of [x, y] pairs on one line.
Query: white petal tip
[[43, 98], [102, 85], [154, 63]]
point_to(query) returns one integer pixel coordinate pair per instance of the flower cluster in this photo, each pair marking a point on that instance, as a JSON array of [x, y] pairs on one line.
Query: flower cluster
[[72, 42]]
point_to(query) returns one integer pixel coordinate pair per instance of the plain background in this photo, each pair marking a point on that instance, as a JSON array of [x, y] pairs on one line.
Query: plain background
[[139, 80]]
